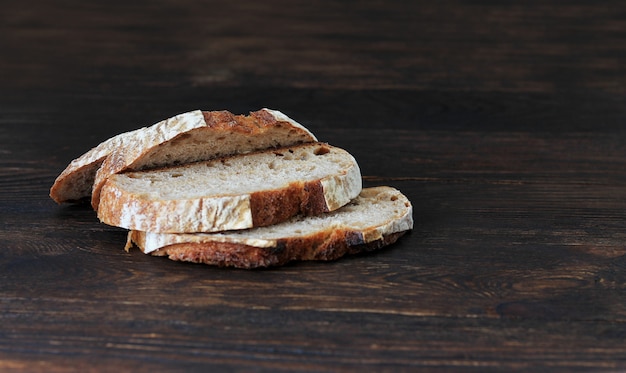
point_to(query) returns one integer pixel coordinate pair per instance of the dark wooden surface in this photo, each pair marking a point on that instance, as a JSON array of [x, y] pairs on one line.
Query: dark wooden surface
[[503, 122]]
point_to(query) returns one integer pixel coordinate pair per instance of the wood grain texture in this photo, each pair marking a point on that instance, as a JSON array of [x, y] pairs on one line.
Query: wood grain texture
[[502, 123]]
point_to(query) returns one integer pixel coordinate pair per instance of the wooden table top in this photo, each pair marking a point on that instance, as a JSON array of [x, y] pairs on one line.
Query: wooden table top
[[502, 122]]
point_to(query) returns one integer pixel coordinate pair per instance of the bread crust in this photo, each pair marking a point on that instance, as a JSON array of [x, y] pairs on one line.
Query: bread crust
[[262, 129], [275, 206], [327, 246]]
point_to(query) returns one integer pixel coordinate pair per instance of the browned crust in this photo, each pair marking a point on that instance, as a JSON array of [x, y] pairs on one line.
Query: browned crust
[[313, 199], [271, 207], [256, 121], [325, 246]]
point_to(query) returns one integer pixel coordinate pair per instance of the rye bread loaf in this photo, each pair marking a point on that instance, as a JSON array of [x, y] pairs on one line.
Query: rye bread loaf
[[376, 218], [236, 192], [193, 136]]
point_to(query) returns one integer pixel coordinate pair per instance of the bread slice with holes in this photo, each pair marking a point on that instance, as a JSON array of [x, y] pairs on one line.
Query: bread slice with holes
[[236, 192], [376, 218], [188, 137]]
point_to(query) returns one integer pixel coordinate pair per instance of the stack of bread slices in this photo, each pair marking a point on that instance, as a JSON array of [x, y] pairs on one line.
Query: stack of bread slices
[[244, 191]]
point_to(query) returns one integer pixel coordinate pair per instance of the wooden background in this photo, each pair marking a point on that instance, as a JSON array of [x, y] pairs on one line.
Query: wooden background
[[503, 122]]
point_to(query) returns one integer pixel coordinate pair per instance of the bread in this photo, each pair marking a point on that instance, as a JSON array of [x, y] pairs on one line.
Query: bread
[[75, 182], [235, 192], [376, 218], [190, 136], [223, 134]]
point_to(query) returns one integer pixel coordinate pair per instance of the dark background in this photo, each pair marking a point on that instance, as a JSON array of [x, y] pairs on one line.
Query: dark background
[[503, 122]]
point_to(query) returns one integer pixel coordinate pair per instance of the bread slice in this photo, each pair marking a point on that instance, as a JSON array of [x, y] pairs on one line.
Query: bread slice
[[76, 181], [236, 192], [192, 136], [376, 218], [223, 134]]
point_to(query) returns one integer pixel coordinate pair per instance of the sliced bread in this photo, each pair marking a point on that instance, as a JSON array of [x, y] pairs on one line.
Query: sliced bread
[[76, 181], [191, 136], [235, 192], [223, 134], [376, 218]]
